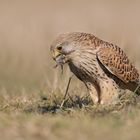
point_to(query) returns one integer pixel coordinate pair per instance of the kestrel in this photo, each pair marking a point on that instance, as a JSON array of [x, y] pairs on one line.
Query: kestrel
[[103, 67]]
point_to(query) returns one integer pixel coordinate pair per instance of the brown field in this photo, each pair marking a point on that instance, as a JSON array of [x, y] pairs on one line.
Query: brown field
[[31, 90]]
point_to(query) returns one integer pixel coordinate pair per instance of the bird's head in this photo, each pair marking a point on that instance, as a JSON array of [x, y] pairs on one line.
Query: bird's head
[[70, 47], [62, 49]]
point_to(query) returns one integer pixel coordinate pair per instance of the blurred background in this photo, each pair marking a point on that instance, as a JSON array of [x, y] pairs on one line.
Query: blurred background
[[27, 28]]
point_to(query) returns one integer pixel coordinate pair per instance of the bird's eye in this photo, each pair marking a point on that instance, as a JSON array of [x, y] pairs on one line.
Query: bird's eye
[[59, 48]]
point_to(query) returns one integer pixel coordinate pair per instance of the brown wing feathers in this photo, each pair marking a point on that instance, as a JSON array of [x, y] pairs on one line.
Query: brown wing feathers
[[115, 60]]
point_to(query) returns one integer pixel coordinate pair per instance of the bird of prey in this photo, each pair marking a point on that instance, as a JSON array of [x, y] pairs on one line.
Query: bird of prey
[[102, 66]]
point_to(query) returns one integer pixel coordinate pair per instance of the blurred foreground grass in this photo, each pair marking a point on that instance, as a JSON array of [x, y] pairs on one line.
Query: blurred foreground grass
[[39, 116]]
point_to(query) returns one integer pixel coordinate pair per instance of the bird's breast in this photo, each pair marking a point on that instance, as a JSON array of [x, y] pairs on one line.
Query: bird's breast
[[86, 69]]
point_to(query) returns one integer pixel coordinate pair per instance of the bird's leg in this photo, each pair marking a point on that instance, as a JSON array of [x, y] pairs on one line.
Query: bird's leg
[[94, 92], [109, 92], [94, 97]]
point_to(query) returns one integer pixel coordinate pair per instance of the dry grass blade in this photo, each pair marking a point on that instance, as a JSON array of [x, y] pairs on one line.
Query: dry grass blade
[[66, 91], [137, 88]]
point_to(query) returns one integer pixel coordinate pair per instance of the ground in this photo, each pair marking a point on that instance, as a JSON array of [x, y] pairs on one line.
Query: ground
[[40, 117]]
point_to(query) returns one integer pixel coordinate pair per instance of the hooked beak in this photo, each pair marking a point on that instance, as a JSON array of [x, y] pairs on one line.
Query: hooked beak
[[58, 57], [55, 54]]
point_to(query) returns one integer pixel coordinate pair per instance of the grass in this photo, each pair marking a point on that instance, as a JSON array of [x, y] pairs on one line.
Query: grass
[[40, 117]]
